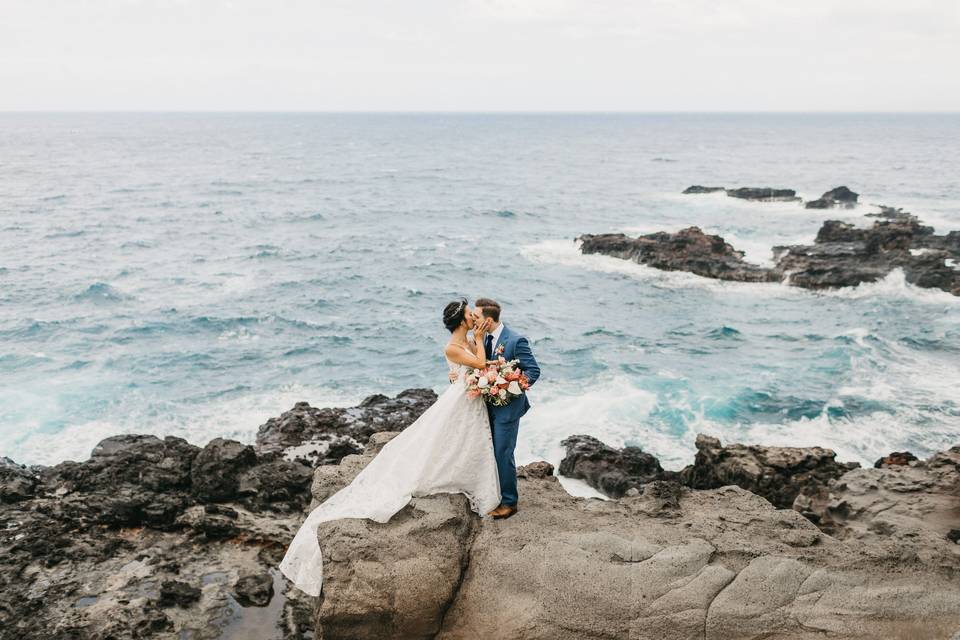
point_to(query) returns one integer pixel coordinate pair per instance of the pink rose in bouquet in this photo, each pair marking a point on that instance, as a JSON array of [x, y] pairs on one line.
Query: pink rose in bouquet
[[498, 383]]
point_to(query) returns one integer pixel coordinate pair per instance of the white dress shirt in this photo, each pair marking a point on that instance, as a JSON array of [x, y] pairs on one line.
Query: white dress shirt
[[496, 336]]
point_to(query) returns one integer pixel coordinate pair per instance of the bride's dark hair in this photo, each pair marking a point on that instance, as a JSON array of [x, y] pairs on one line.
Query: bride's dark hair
[[454, 313]]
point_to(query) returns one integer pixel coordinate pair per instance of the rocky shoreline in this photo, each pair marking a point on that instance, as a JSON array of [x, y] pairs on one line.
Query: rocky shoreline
[[159, 538], [842, 254]]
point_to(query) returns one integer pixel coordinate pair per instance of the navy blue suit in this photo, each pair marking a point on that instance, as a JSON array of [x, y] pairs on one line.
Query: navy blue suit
[[505, 421]]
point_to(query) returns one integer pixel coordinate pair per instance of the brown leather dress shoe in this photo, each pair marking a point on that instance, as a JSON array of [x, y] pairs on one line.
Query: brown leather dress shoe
[[503, 512]]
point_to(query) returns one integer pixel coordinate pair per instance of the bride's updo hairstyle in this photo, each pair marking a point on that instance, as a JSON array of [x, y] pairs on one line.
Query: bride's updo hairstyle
[[454, 313]]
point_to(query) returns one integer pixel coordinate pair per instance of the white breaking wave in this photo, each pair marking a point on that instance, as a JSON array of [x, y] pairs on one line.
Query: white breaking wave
[[567, 253], [234, 418]]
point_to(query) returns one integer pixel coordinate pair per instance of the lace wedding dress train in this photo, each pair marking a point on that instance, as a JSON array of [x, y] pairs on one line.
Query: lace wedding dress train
[[449, 449]]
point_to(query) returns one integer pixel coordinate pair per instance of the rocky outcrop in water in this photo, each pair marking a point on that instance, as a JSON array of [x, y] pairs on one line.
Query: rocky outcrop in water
[[696, 189], [760, 194], [324, 436], [688, 250], [668, 563], [837, 197], [763, 194], [842, 255], [611, 471]]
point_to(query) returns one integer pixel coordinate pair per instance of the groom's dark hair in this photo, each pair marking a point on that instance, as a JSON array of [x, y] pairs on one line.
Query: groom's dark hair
[[489, 307]]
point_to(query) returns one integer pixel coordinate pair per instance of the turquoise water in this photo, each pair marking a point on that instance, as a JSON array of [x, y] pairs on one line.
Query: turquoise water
[[195, 274]]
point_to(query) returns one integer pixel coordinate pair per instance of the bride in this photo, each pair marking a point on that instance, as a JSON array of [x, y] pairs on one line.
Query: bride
[[418, 462]]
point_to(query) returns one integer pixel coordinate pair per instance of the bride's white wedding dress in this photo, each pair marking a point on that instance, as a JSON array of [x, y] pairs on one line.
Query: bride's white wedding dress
[[449, 449]]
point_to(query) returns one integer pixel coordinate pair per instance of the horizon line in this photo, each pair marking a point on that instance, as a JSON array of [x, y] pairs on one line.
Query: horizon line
[[476, 112]]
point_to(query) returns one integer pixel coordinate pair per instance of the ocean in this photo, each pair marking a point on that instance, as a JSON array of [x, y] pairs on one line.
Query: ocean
[[196, 274]]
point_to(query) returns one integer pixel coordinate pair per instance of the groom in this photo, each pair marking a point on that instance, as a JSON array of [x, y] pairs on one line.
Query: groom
[[501, 341]]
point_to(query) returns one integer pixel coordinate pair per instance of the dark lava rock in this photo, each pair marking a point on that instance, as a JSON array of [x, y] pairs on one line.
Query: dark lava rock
[[217, 469], [174, 593], [16, 481], [844, 255], [211, 521], [129, 480], [700, 189], [608, 470], [535, 470], [765, 194], [954, 535], [779, 474], [688, 250], [896, 458], [279, 484], [334, 433], [838, 197], [254, 590]]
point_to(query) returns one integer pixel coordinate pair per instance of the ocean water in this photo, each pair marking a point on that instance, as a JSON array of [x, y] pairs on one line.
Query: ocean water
[[195, 274]]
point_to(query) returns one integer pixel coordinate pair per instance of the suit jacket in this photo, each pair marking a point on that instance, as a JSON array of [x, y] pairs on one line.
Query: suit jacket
[[515, 347]]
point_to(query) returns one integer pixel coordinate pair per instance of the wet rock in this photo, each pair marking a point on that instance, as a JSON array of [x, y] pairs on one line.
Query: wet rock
[[325, 436], [845, 255], [16, 481], [700, 189], [842, 255], [174, 593], [894, 459], [765, 194], [779, 474], [278, 484], [129, 480], [254, 590], [214, 522], [688, 250], [837, 197], [608, 470], [217, 469]]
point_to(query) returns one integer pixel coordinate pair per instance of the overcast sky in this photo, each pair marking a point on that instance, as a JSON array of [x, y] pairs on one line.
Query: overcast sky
[[481, 55]]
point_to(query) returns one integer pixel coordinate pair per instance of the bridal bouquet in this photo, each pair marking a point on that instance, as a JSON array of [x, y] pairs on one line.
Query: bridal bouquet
[[497, 383]]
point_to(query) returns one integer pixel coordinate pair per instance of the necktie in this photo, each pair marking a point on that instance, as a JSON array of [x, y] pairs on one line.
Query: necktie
[[488, 346]]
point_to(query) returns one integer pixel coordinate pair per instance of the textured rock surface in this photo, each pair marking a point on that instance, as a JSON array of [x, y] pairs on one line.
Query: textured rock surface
[[713, 564], [324, 436], [701, 189], [150, 538], [608, 470], [842, 255], [908, 509], [687, 250], [763, 194], [779, 474], [837, 197]]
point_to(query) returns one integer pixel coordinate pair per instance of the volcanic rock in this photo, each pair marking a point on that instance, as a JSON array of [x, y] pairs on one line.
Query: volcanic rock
[[687, 250], [907, 510], [715, 564], [324, 436], [699, 189], [254, 590], [837, 197], [779, 474], [765, 194], [608, 470]]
